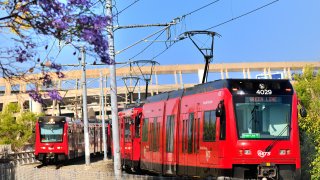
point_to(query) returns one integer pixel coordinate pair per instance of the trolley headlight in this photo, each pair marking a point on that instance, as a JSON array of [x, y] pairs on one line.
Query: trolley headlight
[[43, 147], [244, 152], [288, 151], [284, 152], [59, 147], [247, 151], [240, 92]]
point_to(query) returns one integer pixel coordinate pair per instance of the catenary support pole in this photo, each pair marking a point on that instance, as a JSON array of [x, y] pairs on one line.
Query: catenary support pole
[[113, 94], [139, 95], [76, 101], [103, 119], [147, 84], [84, 107]]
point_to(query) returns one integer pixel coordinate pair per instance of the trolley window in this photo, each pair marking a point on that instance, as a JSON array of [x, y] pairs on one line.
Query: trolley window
[[190, 132], [127, 130], [51, 132], [155, 130], [169, 133], [260, 117], [137, 126], [145, 130], [184, 132], [209, 126]]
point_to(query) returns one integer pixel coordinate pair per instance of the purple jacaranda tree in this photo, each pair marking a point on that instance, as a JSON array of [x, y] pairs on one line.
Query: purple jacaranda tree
[[70, 21], [36, 96], [54, 94]]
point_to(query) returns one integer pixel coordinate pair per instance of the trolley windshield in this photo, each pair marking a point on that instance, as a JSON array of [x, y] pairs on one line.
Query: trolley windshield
[[51, 132], [263, 117]]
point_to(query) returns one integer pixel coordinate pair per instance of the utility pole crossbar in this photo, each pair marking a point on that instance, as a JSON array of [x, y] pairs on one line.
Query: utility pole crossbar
[[141, 26]]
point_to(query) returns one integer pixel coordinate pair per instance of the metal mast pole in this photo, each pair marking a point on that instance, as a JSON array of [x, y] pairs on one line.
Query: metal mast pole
[[139, 96], [113, 93], [147, 84], [103, 120], [76, 100], [84, 107]]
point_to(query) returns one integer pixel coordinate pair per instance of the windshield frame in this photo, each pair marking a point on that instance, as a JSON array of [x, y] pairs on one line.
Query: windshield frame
[[286, 99], [41, 125]]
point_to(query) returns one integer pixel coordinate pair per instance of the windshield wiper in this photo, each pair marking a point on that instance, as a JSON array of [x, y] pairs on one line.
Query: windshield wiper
[[271, 145], [253, 120]]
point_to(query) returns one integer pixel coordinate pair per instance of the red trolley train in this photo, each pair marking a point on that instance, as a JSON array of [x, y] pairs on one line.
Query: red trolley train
[[243, 128], [59, 138]]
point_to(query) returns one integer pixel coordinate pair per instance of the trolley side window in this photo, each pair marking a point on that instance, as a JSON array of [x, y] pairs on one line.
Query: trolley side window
[[209, 126], [169, 133], [127, 130], [51, 132], [190, 132], [155, 135], [223, 127], [183, 136], [137, 126], [145, 130]]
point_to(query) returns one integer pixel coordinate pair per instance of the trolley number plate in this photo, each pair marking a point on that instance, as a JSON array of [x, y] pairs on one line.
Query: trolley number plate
[[264, 92]]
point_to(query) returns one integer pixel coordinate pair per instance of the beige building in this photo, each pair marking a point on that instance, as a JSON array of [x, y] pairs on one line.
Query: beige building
[[164, 78]]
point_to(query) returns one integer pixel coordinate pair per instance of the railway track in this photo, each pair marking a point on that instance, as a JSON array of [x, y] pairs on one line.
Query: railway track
[[76, 169]]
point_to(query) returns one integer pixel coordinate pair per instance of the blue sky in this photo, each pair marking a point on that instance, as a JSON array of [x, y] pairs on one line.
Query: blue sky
[[284, 31]]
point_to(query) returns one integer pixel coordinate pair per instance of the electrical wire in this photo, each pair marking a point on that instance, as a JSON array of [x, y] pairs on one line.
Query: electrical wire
[[115, 17], [207, 5], [170, 45], [148, 45], [47, 55], [242, 15], [127, 7], [220, 24], [120, 51], [181, 17]]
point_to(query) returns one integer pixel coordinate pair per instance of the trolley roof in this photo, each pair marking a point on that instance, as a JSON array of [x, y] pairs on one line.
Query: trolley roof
[[249, 86]]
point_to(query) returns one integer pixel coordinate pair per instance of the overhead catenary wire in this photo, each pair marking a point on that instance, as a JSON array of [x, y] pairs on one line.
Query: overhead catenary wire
[[120, 51], [242, 15], [148, 45], [217, 25], [127, 7], [196, 10], [163, 51], [220, 24], [174, 22]]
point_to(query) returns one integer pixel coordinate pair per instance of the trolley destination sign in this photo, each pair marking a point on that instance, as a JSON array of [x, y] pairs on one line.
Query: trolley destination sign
[[250, 135], [263, 99]]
